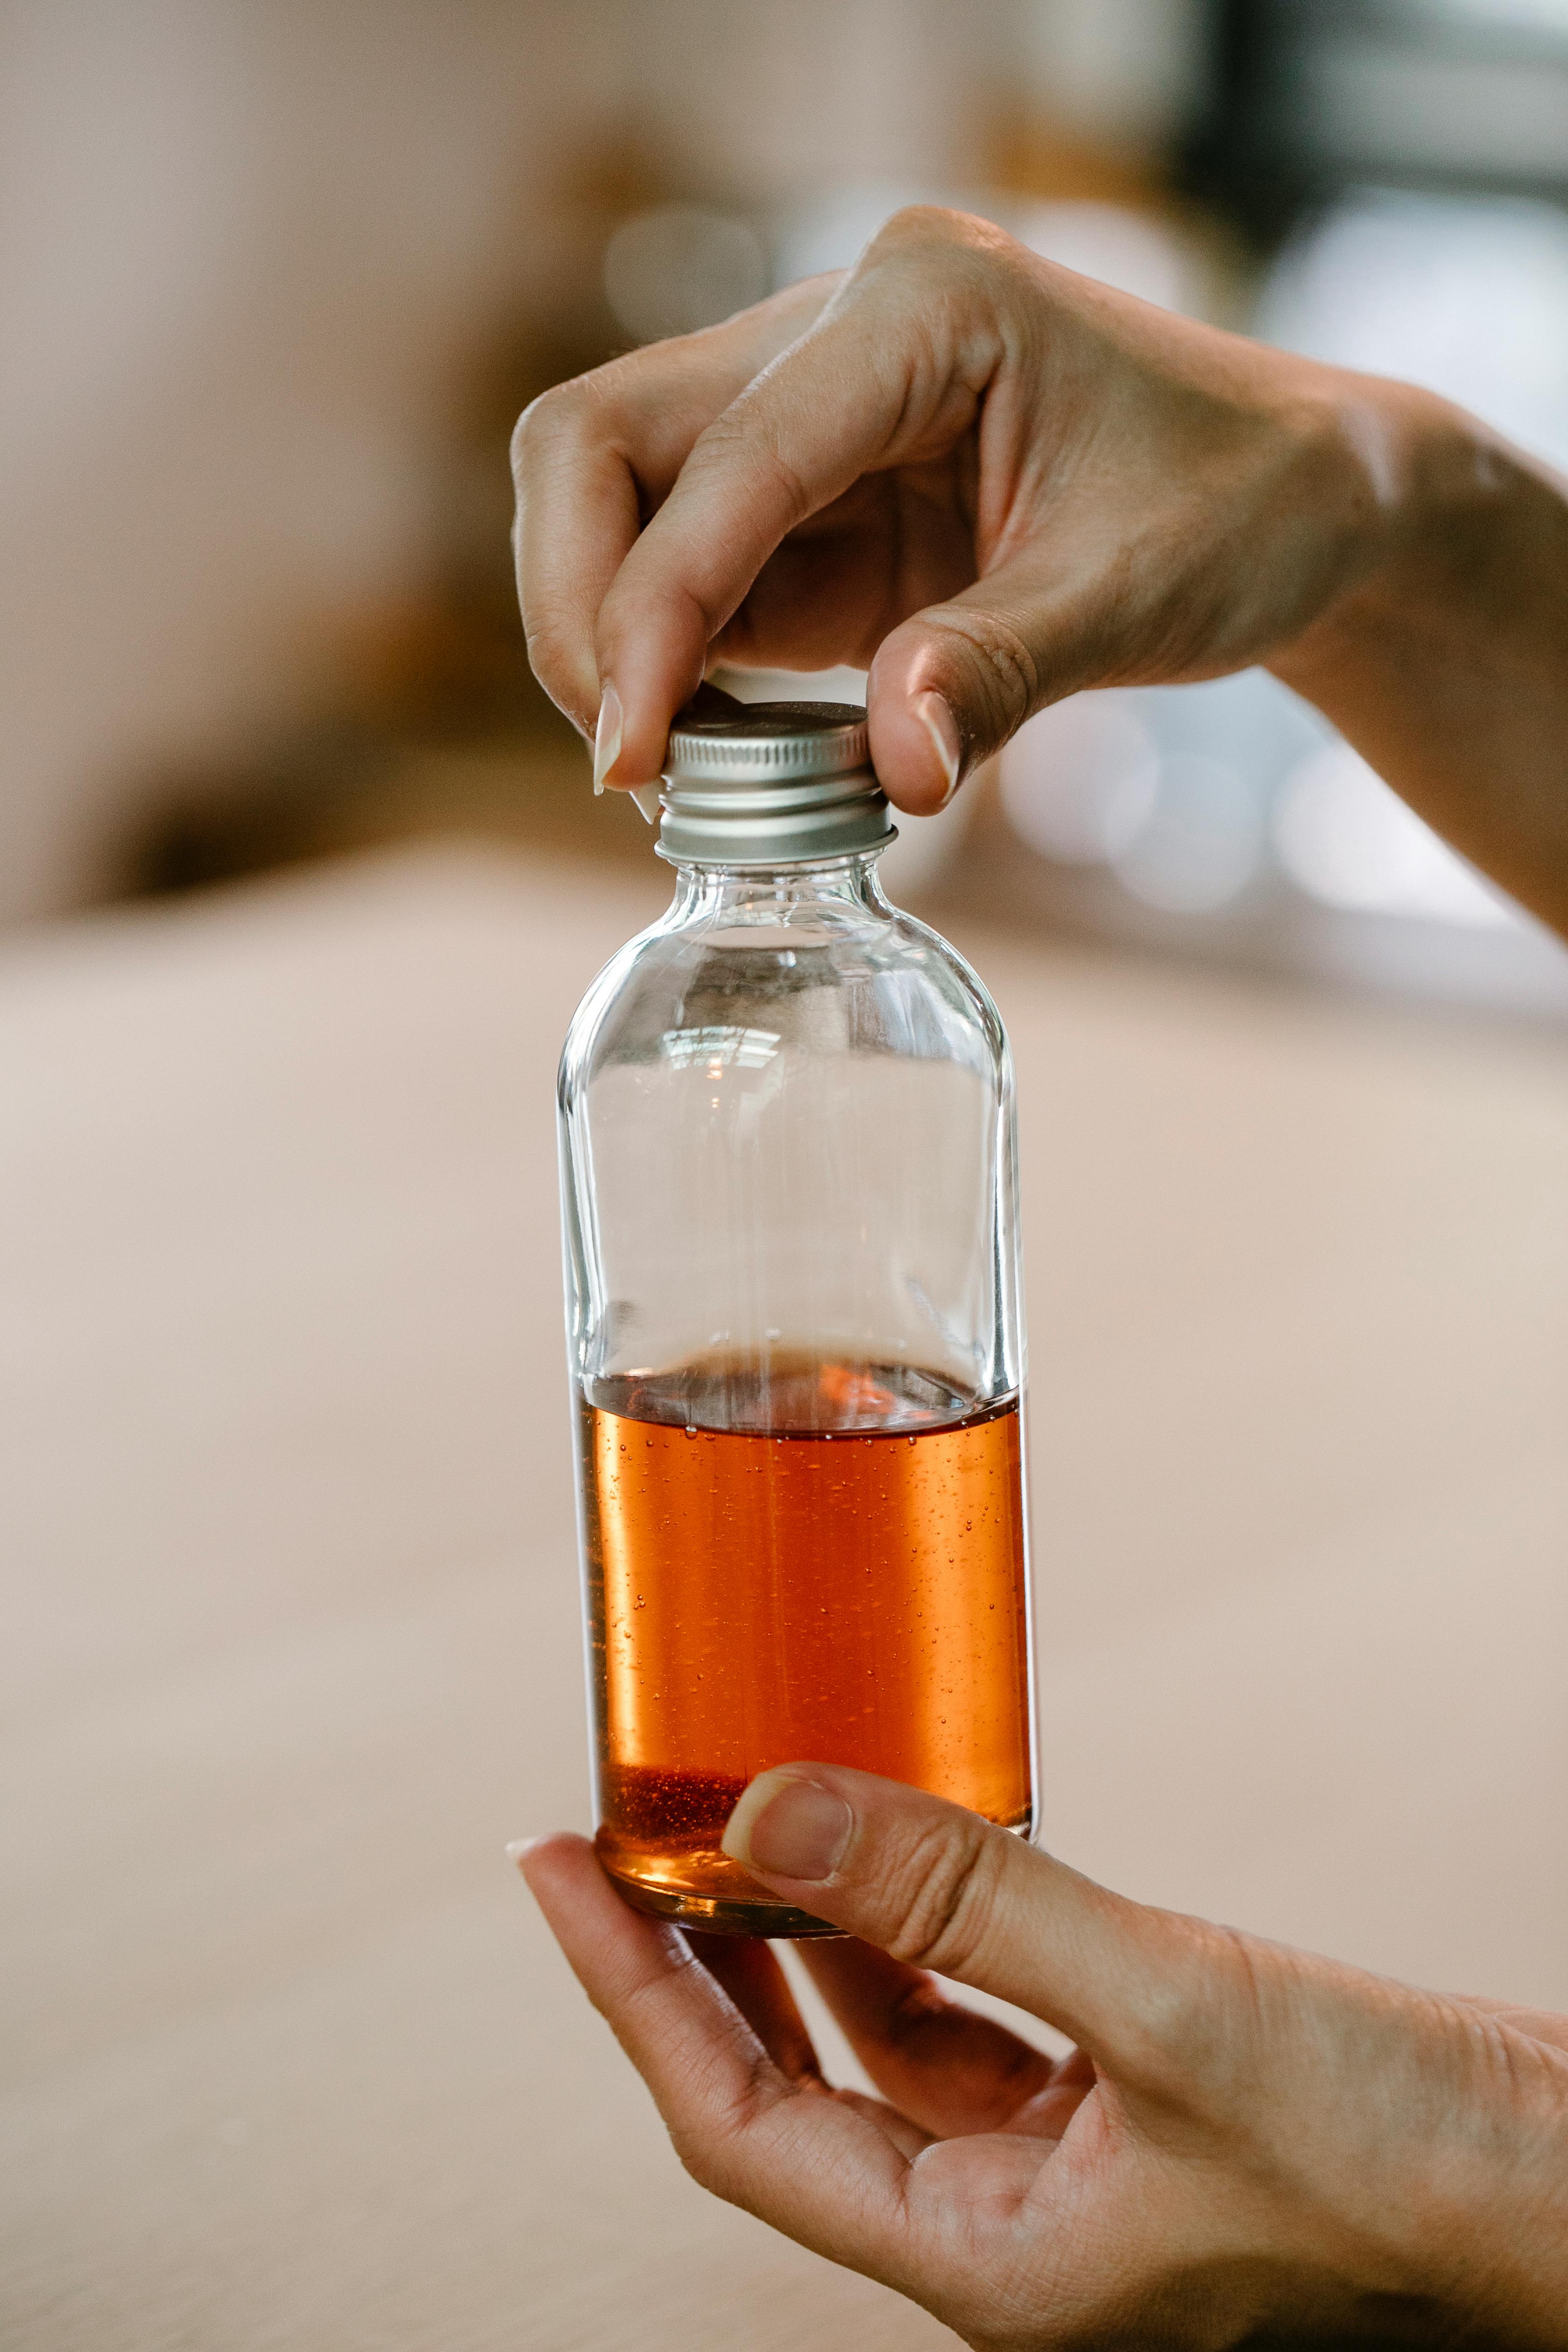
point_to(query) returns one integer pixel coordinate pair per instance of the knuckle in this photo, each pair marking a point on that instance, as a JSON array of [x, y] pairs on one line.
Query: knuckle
[[547, 419], [793, 492], [549, 655], [537, 424], [550, 625], [703, 2158], [938, 235], [997, 660], [917, 227], [748, 433], [1196, 2027], [715, 2147], [955, 1875]]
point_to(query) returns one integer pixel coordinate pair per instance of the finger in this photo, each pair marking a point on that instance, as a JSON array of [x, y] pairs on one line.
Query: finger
[[818, 2167], [591, 457], [880, 379], [826, 598], [950, 2069], [940, 1888], [964, 677], [754, 1981]]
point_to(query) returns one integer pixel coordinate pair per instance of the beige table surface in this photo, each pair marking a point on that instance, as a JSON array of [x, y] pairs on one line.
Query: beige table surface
[[292, 1632]]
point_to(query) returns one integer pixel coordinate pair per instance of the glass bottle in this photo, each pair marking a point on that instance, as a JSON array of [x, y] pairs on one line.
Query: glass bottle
[[794, 1327]]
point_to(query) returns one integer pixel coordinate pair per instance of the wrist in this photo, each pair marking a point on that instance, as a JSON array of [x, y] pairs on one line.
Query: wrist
[[1441, 526], [1520, 2236], [1442, 654], [1491, 2208]]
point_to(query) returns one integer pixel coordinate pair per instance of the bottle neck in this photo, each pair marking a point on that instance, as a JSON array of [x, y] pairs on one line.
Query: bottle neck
[[737, 895]]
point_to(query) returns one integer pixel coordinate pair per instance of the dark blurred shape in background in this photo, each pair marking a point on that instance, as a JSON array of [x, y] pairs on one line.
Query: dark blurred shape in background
[[280, 279], [1304, 101]]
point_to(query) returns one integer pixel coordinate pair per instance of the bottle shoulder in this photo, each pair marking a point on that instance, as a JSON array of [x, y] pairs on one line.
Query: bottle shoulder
[[610, 988], [825, 980]]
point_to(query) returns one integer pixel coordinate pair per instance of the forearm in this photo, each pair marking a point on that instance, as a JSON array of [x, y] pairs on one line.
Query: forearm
[[1446, 664], [1496, 2206]]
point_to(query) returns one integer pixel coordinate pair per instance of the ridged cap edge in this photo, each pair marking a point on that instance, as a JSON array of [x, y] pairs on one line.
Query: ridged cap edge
[[770, 742]]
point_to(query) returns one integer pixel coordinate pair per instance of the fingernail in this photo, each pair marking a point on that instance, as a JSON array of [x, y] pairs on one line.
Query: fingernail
[[607, 737], [936, 717], [791, 1828], [647, 798], [518, 1847]]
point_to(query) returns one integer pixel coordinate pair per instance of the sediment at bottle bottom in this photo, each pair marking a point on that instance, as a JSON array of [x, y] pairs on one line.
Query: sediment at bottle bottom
[[682, 1874]]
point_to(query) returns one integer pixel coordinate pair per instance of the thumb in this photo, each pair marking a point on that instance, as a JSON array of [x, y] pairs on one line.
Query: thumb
[[950, 685], [938, 1887]]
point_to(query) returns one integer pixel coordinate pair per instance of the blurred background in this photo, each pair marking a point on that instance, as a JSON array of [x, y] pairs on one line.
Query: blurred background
[[286, 1525], [277, 277]]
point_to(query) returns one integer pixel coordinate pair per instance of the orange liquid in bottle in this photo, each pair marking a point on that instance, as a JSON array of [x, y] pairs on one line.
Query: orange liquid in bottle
[[796, 1559]]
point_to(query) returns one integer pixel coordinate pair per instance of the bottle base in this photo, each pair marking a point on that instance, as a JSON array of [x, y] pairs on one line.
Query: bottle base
[[720, 1916], [695, 1885]]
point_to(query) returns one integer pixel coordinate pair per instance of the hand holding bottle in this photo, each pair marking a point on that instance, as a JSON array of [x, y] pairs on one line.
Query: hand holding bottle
[[1245, 2137], [996, 482]]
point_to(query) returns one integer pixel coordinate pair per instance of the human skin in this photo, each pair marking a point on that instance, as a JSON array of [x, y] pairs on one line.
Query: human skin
[[1243, 2138], [995, 484]]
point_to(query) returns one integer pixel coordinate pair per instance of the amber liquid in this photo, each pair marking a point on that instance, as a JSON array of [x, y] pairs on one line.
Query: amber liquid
[[801, 1558]]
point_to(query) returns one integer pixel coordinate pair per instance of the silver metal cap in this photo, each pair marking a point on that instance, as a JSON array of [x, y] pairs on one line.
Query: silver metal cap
[[770, 783]]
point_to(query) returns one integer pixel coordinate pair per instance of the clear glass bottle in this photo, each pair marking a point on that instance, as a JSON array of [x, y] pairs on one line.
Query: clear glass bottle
[[794, 1327]]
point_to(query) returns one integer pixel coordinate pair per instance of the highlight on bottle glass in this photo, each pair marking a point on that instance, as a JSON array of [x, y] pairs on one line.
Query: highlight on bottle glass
[[794, 1321]]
